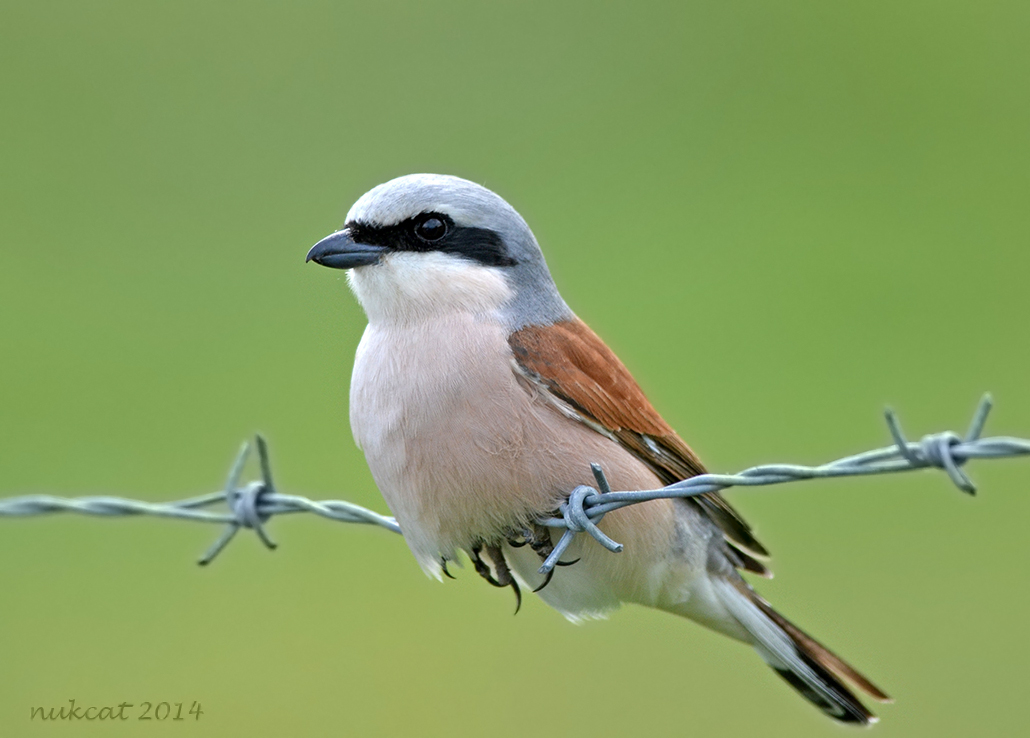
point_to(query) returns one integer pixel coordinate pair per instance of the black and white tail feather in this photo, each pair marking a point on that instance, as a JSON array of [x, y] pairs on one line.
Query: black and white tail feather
[[808, 666]]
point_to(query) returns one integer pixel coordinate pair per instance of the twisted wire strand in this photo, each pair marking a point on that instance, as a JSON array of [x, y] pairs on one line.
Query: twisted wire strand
[[253, 504]]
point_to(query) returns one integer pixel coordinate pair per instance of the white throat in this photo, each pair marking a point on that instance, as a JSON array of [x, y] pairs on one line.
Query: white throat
[[408, 287]]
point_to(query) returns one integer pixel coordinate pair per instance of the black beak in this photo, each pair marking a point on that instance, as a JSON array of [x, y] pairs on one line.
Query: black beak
[[340, 251]]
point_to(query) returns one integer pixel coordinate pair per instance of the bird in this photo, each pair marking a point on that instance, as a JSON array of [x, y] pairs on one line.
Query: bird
[[480, 401]]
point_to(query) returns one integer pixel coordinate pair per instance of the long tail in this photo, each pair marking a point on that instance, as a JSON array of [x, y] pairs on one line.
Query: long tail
[[809, 667]]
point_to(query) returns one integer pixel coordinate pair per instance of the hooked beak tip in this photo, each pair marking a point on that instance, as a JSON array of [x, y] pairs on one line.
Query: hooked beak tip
[[340, 251]]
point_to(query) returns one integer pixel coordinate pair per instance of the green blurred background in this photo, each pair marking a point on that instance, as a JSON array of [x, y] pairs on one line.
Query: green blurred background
[[783, 217]]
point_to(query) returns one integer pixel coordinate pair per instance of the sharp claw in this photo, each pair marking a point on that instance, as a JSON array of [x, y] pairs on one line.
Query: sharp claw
[[443, 565], [566, 563], [547, 580]]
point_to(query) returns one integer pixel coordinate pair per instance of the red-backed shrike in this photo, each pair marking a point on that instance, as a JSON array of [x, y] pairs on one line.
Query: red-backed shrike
[[480, 401]]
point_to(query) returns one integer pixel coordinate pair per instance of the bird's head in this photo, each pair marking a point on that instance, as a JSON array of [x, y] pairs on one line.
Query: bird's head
[[424, 245]]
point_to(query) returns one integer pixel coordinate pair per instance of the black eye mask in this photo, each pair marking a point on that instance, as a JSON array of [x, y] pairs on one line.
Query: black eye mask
[[435, 232]]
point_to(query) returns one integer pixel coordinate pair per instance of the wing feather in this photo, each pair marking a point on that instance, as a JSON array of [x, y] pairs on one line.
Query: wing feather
[[571, 362]]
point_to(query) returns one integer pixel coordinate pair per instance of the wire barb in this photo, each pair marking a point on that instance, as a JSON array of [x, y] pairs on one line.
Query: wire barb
[[244, 501], [253, 504], [585, 507]]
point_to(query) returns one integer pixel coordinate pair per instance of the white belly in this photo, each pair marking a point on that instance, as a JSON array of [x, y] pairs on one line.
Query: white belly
[[436, 416], [462, 451]]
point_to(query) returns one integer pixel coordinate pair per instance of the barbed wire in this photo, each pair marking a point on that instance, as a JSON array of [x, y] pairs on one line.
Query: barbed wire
[[253, 504], [250, 506]]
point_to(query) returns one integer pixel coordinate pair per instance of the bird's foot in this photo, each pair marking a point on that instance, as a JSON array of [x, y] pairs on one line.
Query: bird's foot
[[503, 577]]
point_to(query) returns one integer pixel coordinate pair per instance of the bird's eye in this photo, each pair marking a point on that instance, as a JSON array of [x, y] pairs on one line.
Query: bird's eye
[[431, 229]]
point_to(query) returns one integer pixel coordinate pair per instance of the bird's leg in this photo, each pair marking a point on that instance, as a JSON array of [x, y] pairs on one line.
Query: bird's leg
[[518, 537], [481, 567], [538, 537], [539, 540], [504, 577]]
